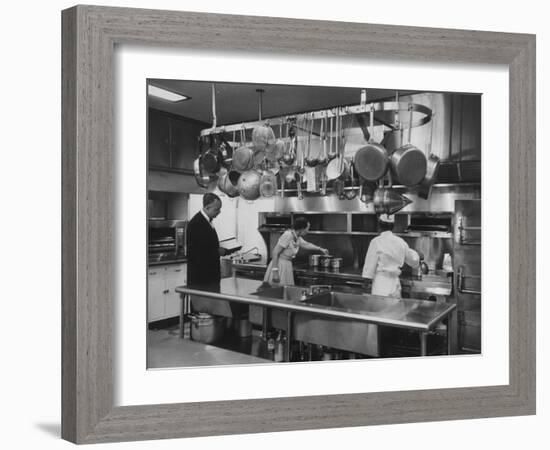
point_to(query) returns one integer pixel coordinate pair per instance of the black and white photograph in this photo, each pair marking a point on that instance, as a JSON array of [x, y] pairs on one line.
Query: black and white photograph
[[293, 223]]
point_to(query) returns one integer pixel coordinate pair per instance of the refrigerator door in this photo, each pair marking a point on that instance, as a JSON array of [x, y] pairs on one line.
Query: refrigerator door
[[467, 269]]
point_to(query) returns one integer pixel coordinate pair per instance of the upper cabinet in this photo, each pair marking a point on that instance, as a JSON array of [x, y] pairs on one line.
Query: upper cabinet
[[172, 141]]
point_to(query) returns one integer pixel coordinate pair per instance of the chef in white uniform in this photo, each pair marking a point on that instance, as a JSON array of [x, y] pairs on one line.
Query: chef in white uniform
[[386, 255]]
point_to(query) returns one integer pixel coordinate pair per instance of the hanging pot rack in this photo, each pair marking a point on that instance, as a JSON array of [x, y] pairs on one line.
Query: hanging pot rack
[[384, 114]]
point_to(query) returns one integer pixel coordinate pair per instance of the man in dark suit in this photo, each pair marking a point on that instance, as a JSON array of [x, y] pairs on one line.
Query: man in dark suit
[[203, 260], [203, 246]]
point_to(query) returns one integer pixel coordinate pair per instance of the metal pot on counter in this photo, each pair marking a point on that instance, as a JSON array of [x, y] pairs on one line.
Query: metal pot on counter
[[314, 260], [324, 261]]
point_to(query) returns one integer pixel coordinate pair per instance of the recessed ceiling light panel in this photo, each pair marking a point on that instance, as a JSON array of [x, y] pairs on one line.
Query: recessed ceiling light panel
[[165, 94]]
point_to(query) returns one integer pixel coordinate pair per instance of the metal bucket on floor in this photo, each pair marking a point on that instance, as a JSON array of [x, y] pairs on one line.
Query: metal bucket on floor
[[206, 328], [243, 327]]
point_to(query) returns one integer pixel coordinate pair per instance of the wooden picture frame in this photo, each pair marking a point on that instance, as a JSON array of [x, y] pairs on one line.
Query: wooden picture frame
[[89, 37]]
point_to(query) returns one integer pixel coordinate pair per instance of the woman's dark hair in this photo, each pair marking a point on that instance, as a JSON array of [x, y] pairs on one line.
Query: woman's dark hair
[[300, 223]]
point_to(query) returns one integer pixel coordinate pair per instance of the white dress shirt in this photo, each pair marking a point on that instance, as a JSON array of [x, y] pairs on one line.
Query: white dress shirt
[[207, 218]]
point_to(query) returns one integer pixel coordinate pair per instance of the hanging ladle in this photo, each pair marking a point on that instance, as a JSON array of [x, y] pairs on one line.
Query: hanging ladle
[[310, 162]]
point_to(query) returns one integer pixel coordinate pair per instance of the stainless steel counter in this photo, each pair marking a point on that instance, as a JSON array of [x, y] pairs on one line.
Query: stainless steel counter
[[431, 284], [419, 315]]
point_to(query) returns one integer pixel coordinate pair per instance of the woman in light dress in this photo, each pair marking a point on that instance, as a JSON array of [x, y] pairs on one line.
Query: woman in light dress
[[279, 270]]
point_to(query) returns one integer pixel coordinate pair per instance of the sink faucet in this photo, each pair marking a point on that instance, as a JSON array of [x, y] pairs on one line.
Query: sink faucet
[[318, 288]]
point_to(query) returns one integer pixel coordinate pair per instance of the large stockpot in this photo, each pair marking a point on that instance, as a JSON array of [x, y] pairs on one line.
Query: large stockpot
[[314, 260], [408, 165], [336, 263], [207, 328], [324, 261], [249, 184], [371, 161]]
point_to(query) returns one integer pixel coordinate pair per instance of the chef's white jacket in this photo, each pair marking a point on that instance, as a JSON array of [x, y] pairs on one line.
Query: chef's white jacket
[[386, 255]]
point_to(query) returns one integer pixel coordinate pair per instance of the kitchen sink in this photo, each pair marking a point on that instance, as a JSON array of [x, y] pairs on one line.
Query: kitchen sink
[[351, 302], [283, 293]]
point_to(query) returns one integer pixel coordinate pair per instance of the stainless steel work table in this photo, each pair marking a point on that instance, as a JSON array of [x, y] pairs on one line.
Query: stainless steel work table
[[438, 285], [419, 315]]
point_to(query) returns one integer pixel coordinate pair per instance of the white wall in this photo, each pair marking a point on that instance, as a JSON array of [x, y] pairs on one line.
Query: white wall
[[247, 220], [30, 388]]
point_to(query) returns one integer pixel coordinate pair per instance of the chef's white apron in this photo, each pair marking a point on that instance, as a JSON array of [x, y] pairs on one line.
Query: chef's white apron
[[388, 285]]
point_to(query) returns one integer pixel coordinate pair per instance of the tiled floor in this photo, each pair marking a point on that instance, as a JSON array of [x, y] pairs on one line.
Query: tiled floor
[[166, 349]]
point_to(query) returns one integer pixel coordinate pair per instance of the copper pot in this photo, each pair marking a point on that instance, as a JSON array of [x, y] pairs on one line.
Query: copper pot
[[408, 165], [227, 183], [203, 180], [225, 152], [249, 184], [371, 161], [262, 137], [243, 157]]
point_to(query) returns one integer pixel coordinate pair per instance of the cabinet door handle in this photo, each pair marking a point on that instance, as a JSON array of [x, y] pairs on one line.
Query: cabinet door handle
[[177, 270], [152, 273], [166, 291]]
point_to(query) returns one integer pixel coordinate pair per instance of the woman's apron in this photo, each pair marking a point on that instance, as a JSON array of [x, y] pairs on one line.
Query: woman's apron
[[286, 272]]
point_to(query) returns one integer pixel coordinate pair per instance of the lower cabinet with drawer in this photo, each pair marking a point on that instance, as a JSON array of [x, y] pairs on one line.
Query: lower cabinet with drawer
[[163, 302]]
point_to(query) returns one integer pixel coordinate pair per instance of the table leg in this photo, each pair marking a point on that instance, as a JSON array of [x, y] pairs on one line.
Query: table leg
[[450, 331], [423, 343], [182, 314], [288, 335], [265, 324]]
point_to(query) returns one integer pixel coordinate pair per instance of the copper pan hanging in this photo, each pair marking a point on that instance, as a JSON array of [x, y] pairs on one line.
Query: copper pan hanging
[[371, 161], [408, 163]]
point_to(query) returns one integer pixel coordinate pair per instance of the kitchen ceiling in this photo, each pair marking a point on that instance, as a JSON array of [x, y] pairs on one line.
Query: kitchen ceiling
[[238, 102]]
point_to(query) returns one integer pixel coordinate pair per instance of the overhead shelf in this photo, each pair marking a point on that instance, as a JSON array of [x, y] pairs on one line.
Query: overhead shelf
[[383, 114]]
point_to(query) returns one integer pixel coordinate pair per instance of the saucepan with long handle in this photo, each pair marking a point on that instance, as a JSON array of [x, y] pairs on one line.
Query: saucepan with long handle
[[339, 166], [408, 163], [371, 161], [243, 157]]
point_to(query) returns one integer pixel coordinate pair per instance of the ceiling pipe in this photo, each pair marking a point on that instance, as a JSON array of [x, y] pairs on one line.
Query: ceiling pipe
[[260, 103]]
